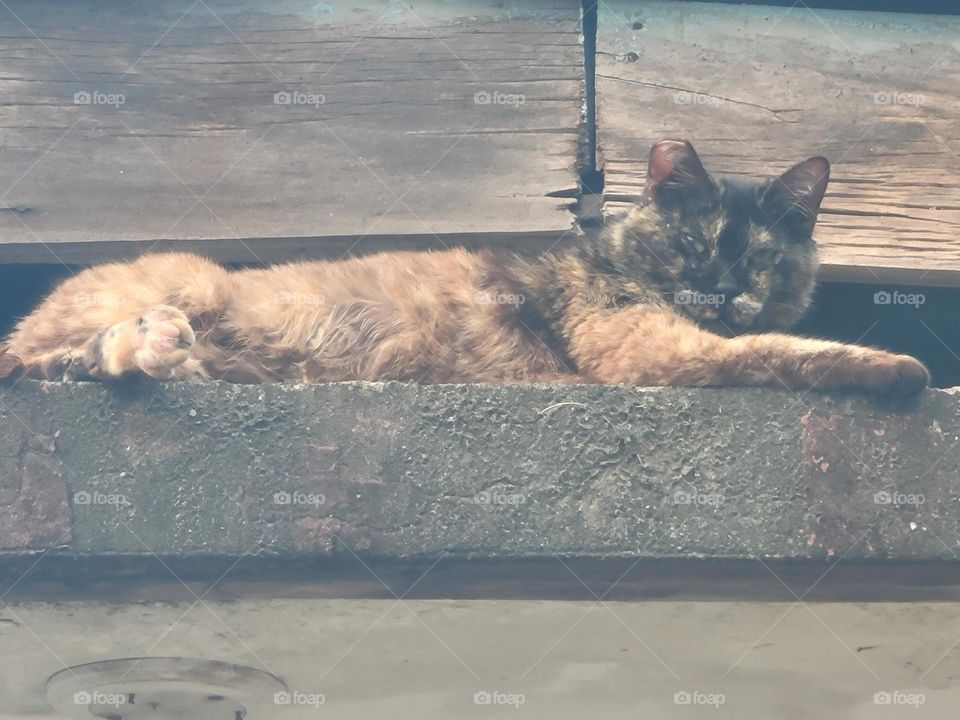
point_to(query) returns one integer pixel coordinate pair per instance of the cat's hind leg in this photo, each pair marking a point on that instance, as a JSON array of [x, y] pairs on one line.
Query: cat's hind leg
[[121, 318], [157, 343]]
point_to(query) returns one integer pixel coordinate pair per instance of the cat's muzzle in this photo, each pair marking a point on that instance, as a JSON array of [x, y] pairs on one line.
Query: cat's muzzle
[[743, 310]]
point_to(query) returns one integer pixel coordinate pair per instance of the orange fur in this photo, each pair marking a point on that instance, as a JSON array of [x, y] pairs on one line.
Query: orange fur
[[451, 316]]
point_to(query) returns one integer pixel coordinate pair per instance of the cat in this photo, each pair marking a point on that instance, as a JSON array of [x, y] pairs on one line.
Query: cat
[[693, 286]]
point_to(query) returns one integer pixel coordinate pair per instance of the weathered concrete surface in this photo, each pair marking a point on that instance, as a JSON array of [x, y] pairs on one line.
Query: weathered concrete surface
[[395, 470]]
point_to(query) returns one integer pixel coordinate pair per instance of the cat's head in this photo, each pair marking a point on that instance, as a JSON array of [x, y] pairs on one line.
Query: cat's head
[[739, 256]]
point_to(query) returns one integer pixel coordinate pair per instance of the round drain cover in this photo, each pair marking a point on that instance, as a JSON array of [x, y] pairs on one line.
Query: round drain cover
[[167, 687]]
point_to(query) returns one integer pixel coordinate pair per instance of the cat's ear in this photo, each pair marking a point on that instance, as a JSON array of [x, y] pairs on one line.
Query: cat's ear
[[674, 168], [794, 197]]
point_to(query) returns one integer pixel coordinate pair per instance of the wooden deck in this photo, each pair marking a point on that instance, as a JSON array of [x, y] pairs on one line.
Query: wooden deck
[[261, 130], [757, 89]]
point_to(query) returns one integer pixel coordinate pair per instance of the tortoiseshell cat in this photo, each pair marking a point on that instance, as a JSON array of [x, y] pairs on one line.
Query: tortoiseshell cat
[[685, 290]]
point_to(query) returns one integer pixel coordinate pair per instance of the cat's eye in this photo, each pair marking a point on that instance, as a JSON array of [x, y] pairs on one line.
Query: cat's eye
[[764, 258], [694, 244]]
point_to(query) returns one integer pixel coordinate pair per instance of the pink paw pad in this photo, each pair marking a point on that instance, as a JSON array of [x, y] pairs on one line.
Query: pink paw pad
[[168, 329], [164, 338]]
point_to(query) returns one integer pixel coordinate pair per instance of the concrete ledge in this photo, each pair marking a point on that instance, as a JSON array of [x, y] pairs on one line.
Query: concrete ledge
[[405, 471]]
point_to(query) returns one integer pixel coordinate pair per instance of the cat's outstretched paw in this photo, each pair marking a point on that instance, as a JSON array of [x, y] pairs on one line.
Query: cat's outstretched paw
[[865, 369], [155, 343], [898, 376]]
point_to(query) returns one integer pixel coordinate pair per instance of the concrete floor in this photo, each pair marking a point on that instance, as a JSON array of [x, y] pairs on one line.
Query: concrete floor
[[428, 659]]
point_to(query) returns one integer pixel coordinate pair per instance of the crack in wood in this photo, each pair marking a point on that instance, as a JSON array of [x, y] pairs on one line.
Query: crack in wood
[[775, 111]]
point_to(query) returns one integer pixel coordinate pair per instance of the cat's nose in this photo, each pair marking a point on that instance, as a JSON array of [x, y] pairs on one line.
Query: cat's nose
[[727, 284]]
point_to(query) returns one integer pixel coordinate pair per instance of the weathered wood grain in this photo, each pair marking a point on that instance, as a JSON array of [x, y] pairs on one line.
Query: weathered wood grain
[[386, 138], [757, 89]]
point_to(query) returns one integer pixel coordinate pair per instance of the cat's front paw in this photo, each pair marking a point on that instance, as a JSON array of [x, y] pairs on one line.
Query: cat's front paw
[[894, 375]]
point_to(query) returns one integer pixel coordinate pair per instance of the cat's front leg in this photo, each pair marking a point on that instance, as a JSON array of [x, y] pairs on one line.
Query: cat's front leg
[[157, 343], [646, 345], [802, 363]]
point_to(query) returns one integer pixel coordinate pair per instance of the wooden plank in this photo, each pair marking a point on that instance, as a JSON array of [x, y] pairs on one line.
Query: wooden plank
[[378, 130], [757, 89]]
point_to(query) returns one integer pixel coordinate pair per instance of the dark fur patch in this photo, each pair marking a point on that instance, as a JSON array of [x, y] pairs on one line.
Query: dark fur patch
[[734, 255]]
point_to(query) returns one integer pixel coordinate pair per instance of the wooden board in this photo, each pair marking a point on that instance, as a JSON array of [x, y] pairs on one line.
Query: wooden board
[[379, 130], [757, 89]]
